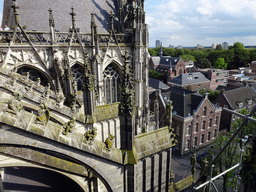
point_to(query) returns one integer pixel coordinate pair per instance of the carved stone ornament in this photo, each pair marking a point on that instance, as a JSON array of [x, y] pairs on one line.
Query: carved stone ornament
[[127, 104], [43, 115], [14, 105], [168, 113], [69, 126], [89, 78], [109, 142], [90, 135], [60, 98]]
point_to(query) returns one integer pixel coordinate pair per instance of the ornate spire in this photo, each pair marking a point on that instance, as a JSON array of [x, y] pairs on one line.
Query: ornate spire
[[73, 14], [111, 16], [51, 19], [92, 21], [16, 14]]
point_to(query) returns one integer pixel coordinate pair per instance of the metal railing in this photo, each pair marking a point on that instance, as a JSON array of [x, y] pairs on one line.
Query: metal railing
[[211, 165]]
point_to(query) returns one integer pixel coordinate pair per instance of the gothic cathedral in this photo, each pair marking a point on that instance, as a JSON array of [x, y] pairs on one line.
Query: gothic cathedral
[[83, 66]]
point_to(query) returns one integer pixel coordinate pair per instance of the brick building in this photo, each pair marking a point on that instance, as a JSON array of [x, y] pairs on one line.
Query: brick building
[[192, 81], [217, 77], [167, 65], [195, 119], [235, 99]]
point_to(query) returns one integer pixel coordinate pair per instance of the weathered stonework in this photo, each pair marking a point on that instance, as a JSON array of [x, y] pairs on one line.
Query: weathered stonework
[[85, 96]]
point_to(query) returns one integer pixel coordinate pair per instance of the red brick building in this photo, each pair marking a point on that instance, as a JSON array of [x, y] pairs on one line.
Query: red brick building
[[195, 119], [235, 99], [192, 81], [167, 65], [216, 76]]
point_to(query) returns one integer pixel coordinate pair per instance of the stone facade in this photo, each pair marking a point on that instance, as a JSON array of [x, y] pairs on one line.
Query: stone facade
[[83, 93]]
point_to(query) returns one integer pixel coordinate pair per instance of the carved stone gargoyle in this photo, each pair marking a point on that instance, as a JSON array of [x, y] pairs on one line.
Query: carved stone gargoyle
[[90, 135], [43, 115], [68, 126], [109, 142], [14, 105]]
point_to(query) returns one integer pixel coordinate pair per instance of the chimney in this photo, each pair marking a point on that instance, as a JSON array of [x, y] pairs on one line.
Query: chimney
[[206, 95]]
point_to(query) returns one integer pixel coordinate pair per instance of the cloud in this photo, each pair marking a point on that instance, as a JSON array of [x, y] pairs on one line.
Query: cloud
[[176, 37], [203, 11], [201, 19]]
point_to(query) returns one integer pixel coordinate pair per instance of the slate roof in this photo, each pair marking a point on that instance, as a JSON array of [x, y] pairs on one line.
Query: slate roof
[[165, 60], [190, 78], [34, 14], [156, 84], [184, 101], [242, 94]]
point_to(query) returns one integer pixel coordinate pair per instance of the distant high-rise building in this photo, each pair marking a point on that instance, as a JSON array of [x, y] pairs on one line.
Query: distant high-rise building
[[225, 45], [179, 47], [199, 46], [171, 46], [158, 43], [214, 45]]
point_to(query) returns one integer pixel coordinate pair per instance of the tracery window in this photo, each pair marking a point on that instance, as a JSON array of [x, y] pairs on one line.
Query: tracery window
[[77, 72], [111, 80], [33, 74]]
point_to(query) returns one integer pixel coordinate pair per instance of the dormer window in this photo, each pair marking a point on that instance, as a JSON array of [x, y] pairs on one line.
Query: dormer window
[[249, 101], [239, 104]]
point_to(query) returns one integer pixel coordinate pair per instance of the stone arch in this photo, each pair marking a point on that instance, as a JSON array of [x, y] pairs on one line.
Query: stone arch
[[117, 64], [97, 171], [68, 177], [34, 73], [77, 62]]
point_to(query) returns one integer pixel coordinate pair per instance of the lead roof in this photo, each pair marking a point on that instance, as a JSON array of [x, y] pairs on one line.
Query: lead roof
[[34, 14]]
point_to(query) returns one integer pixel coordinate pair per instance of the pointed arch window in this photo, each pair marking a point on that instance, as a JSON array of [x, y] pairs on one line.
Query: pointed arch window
[[77, 72], [111, 79], [34, 74]]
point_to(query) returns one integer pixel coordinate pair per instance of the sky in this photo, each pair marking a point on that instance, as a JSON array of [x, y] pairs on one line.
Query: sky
[[204, 22]]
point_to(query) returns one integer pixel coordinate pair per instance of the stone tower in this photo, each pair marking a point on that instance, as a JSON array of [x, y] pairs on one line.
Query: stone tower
[[91, 58]]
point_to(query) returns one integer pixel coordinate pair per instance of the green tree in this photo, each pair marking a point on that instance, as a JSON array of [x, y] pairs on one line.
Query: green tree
[[179, 52], [188, 57], [203, 62], [169, 52], [231, 155], [252, 54], [152, 52], [155, 75], [238, 45], [241, 56], [212, 94], [219, 47], [220, 64]]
